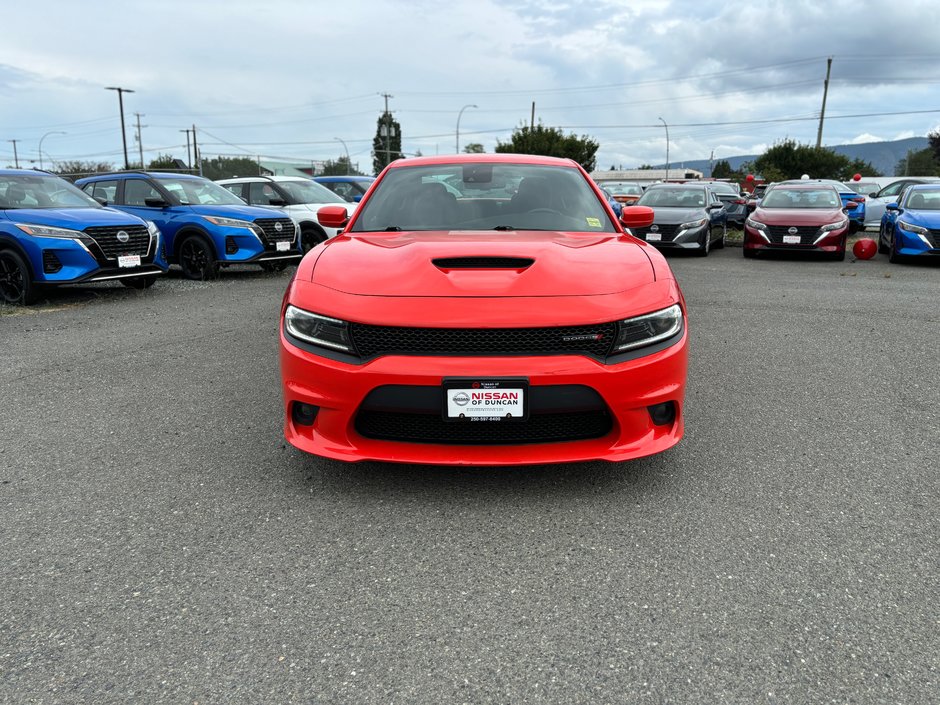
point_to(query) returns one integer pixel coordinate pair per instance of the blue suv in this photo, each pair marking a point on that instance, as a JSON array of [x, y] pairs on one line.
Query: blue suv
[[52, 234], [205, 225]]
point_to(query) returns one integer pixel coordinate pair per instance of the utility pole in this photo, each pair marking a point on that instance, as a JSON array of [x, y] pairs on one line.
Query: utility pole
[[711, 160], [667, 149], [196, 152], [532, 128], [388, 130], [822, 114], [189, 159], [121, 92], [140, 141], [16, 159]]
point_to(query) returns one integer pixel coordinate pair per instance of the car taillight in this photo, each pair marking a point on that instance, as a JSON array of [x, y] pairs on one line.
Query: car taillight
[[739, 201]]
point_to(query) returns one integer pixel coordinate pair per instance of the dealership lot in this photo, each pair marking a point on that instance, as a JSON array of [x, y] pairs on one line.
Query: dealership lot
[[159, 541]]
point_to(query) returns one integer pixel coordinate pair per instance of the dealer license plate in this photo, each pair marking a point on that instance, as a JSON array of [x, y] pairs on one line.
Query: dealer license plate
[[654, 237], [791, 239], [282, 246], [126, 261], [469, 399]]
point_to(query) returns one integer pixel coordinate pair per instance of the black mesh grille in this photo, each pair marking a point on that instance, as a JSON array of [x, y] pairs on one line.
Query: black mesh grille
[[371, 341], [138, 240], [808, 234], [666, 232], [272, 234], [430, 428], [483, 262], [50, 263], [934, 237]]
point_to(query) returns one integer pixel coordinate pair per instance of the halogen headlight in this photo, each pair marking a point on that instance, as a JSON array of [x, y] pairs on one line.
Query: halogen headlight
[[756, 224], [152, 228], [49, 231], [318, 330], [907, 227], [834, 226], [229, 222], [646, 330], [694, 224]]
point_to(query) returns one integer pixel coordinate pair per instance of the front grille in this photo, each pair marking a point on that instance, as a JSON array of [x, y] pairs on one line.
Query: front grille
[[106, 237], [272, 234], [808, 234], [934, 237], [50, 263], [431, 428], [483, 262], [666, 232], [372, 341]]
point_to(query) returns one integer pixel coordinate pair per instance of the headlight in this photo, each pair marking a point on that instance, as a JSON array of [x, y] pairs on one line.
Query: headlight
[[834, 226], [49, 231], [152, 228], [907, 227], [229, 222], [318, 330], [756, 224], [646, 330], [694, 224]]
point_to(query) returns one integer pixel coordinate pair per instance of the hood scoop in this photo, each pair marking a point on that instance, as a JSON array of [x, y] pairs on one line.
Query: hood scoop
[[515, 263]]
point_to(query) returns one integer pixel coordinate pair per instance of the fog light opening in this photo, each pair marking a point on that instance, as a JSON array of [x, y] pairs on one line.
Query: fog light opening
[[303, 414], [663, 414], [231, 247]]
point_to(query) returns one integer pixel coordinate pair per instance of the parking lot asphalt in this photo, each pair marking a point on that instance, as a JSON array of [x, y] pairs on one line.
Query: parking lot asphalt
[[159, 541]]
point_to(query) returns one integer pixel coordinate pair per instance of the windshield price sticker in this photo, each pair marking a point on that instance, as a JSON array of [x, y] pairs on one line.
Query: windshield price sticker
[[485, 400], [283, 246], [128, 261]]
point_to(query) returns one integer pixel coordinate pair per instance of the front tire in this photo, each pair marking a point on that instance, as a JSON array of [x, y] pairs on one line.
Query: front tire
[[197, 259], [706, 246], [310, 237], [140, 282], [893, 256], [882, 247], [16, 280]]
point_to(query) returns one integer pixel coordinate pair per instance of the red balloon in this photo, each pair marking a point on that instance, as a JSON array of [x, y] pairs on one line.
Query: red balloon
[[865, 249], [857, 177], [750, 177]]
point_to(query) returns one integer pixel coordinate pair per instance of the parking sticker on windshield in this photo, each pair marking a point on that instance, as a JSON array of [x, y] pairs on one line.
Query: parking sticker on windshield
[[593, 222]]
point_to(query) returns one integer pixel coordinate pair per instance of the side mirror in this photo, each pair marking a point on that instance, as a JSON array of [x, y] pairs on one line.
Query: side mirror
[[333, 216], [102, 201], [873, 194], [636, 216], [892, 207], [155, 203], [277, 202]]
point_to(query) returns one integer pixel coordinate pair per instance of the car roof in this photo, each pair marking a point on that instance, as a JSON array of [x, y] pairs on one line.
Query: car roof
[[351, 177], [262, 177], [454, 159], [26, 172], [132, 174], [677, 185]]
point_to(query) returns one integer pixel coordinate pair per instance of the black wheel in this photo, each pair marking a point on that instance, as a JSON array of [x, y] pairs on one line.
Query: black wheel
[[893, 256], [197, 259], [720, 242], [273, 266], [16, 280], [748, 254], [840, 255], [140, 282], [310, 237], [882, 247]]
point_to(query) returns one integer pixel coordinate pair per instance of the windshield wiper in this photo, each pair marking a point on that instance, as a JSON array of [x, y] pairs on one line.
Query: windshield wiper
[[392, 229]]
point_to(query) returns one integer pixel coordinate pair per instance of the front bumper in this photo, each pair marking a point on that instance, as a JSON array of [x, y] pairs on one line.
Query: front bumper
[[910, 244], [690, 239], [625, 391], [832, 242]]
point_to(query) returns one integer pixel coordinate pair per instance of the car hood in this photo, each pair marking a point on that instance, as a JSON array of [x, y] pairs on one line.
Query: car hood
[[242, 212], [72, 218], [798, 216], [402, 264], [674, 216]]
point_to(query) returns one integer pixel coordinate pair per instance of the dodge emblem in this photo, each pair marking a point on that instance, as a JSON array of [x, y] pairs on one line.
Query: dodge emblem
[[793, 231], [122, 236]]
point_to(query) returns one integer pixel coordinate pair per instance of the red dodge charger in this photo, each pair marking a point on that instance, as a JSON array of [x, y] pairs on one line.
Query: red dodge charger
[[483, 310]]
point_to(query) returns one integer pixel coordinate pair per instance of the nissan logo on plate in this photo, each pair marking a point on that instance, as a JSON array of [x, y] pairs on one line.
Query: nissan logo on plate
[[461, 398], [278, 227], [122, 236], [793, 231]]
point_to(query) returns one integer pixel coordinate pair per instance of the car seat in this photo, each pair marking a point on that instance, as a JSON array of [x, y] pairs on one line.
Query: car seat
[[917, 201]]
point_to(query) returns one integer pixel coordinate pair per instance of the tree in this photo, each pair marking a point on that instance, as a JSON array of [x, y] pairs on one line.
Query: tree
[[920, 163], [722, 170], [934, 139], [645, 167], [79, 168], [229, 167], [790, 160], [166, 161], [474, 148], [386, 146], [339, 167], [551, 142]]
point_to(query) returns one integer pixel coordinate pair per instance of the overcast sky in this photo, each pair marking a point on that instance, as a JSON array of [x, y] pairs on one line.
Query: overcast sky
[[285, 78]]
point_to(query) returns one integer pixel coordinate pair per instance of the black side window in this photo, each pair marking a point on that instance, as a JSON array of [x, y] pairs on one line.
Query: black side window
[[137, 191]]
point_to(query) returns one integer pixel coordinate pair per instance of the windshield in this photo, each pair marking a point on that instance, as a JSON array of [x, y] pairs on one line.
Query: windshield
[[722, 187], [479, 196], [308, 192], [923, 200], [622, 189], [673, 198], [200, 192], [801, 198], [41, 191]]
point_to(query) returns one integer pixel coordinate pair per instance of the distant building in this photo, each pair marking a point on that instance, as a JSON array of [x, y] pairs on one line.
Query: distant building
[[275, 168], [645, 176]]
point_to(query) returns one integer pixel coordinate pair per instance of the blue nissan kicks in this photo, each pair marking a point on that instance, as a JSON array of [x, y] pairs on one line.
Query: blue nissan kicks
[[911, 227], [52, 234], [205, 225]]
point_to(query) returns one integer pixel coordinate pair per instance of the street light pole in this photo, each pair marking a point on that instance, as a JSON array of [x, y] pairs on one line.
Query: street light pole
[[121, 92], [16, 158], [54, 132], [189, 159], [667, 148], [348, 165], [458, 125]]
